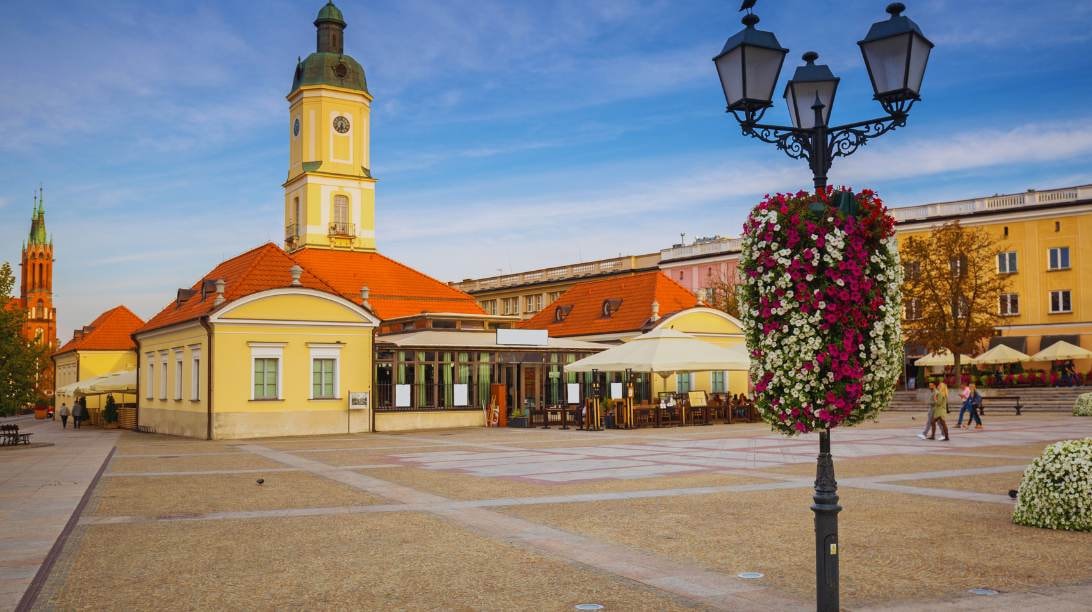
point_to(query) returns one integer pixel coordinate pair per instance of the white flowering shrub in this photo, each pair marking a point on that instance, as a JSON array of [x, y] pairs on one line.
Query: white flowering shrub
[[820, 304], [1083, 405], [1056, 492]]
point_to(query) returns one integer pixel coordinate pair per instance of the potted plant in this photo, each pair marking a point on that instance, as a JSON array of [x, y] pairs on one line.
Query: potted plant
[[41, 409], [110, 413]]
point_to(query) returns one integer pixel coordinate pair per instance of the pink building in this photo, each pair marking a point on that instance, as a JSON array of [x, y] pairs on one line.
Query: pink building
[[701, 264]]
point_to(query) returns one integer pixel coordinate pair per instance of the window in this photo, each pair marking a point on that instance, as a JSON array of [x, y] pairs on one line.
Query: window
[[911, 270], [1060, 301], [680, 274], [532, 303], [341, 209], [552, 297], [1059, 258], [490, 307], [178, 374], [913, 309], [265, 371], [1005, 233], [195, 373], [149, 375], [1010, 304], [325, 360], [1006, 262], [958, 266], [510, 306], [960, 307], [719, 385], [682, 382], [163, 375]]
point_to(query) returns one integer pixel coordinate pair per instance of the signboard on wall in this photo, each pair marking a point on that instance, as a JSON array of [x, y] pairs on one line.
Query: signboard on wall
[[359, 400], [462, 395], [522, 337], [573, 393], [402, 396], [616, 390]]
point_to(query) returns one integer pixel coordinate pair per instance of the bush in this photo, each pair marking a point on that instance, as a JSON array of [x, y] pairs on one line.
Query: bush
[[110, 412], [1056, 492], [1083, 405]]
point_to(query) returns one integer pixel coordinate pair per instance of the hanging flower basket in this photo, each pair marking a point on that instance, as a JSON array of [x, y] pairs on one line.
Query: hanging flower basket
[[821, 305]]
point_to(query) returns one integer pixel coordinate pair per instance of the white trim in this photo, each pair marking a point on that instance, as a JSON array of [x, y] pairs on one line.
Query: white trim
[[164, 371], [321, 177], [195, 374], [1050, 301], [325, 351], [267, 350], [334, 134], [168, 329], [178, 373], [149, 375], [985, 218], [321, 91], [705, 309], [217, 317]]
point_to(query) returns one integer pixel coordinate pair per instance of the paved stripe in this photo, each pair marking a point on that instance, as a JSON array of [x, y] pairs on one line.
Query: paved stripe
[[366, 466]]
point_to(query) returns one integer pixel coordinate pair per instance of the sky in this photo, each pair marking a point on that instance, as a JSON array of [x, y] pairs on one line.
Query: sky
[[506, 135]]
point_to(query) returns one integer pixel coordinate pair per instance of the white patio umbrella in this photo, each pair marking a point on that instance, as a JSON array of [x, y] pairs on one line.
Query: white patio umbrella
[[1060, 351], [665, 351], [69, 389], [1000, 354], [943, 358], [114, 382]]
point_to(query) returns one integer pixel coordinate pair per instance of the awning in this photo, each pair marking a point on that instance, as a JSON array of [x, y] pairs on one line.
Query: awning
[[664, 351], [943, 358], [1061, 351], [1000, 354], [123, 381]]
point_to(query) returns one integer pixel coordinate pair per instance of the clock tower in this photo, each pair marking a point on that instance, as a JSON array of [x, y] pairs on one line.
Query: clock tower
[[329, 197]]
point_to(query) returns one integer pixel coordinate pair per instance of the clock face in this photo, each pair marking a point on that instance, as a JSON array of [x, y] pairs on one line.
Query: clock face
[[296, 127], [341, 124]]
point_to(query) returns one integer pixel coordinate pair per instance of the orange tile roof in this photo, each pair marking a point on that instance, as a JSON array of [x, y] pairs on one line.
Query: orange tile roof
[[395, 289], [636, 292], [110, 331], [259, 269]]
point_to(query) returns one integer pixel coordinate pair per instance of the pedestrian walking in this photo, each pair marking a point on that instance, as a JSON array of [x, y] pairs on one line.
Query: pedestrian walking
[[975, 401], [940, 410], [78, 413], [64, 415], [929, 411], [965, 406]]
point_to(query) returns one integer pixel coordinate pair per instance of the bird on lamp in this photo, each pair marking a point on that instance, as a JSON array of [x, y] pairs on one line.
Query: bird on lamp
[[747, 5]]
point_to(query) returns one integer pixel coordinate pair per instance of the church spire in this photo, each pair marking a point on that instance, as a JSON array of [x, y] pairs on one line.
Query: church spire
[[38, 234]]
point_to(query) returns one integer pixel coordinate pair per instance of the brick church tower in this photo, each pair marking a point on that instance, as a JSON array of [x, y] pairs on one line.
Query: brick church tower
[[36, 288]]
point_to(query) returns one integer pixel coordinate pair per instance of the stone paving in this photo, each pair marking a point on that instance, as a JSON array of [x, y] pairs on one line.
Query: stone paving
[[562, 460]]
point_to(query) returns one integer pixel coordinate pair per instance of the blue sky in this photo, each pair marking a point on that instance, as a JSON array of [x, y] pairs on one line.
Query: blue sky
[[507, 135]]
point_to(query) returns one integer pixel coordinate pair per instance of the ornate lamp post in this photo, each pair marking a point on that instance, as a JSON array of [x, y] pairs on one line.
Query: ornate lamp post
[[895, 53]]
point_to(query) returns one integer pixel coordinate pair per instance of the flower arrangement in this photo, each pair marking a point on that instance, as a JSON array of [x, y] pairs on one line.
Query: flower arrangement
[[1083, 405], [1056, 492], [820, 304]]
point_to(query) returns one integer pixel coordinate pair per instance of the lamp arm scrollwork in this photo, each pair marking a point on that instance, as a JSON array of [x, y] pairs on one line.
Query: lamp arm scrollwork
[[796, 143], [844, 140]]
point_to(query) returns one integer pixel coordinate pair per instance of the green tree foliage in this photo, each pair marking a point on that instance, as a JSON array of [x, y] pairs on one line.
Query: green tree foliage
[[20, 361]]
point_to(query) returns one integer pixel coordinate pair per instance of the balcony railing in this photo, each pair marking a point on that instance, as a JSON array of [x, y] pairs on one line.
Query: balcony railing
[[339, 228], [560, 273], [992, 203], [291, 233], [710, 248]]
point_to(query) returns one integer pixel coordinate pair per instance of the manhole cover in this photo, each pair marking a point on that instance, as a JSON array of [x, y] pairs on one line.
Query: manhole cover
[[589, 607], [983, 591], [751, 575]]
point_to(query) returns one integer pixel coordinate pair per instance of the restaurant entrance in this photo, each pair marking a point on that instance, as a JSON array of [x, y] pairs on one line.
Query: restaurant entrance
[[523, 383]]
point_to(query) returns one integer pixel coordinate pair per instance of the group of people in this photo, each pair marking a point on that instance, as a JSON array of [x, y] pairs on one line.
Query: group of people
[[938, 410], [79, 413]]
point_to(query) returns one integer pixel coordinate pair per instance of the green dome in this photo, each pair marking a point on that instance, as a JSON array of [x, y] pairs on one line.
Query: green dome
[[330, 13], [323, 68]]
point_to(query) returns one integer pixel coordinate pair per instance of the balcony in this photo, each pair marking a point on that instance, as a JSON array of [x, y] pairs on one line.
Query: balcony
[[339, 229], [291, 233], [992, 204], [719, 246]]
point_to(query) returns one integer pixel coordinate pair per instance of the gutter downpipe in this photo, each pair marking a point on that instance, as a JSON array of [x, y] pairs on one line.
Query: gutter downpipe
[[208, 378], [136, 398]]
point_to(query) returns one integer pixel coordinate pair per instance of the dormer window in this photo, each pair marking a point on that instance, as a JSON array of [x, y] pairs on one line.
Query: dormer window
[[610, 306], [561, 312]]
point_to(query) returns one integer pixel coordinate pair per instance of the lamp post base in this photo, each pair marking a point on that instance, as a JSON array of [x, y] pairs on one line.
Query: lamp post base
[[826, 511]]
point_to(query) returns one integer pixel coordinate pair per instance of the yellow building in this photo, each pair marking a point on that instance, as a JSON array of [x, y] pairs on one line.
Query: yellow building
[[103, 347], [1045, 238]]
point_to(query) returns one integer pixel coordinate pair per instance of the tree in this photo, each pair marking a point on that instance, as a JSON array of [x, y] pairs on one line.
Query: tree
[[951, 289], [723, 294], [20, 361]]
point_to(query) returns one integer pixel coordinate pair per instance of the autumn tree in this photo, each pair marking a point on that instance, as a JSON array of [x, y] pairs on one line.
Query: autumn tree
[[951, 289], [722, 294], [20, 360]]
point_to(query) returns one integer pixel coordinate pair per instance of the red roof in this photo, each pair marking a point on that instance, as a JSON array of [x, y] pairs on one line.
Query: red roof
[[259, 269], [110, 331], [395, 289], [630, 298]]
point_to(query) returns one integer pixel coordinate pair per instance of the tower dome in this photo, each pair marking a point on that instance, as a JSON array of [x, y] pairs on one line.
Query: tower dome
[[329, 65]]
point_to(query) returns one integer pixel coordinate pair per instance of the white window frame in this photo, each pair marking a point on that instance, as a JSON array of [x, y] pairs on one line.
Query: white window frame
[[163, 371], [195, 373], [178, 374], [267, 350], [149, 375], [324, 351], [1007, 257], [1060, 293], [1006, 304], [1054, 256]]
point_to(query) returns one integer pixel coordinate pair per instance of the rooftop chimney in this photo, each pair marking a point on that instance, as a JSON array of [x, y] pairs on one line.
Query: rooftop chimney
[[364, 292], [220, 284], [296, 271], [655, 311]]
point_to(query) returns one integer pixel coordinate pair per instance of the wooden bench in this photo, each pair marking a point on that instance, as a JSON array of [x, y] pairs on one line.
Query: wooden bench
[[10, 435], [1011, 401]]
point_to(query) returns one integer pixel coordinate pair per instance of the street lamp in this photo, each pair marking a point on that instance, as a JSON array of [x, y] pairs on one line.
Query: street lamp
[[895, 53]]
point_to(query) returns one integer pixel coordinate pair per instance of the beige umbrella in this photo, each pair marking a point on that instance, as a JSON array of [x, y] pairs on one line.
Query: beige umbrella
[[1061, 351], [664, 351], [69, 389], [1000, 354], [943, 358], [114, 382]]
